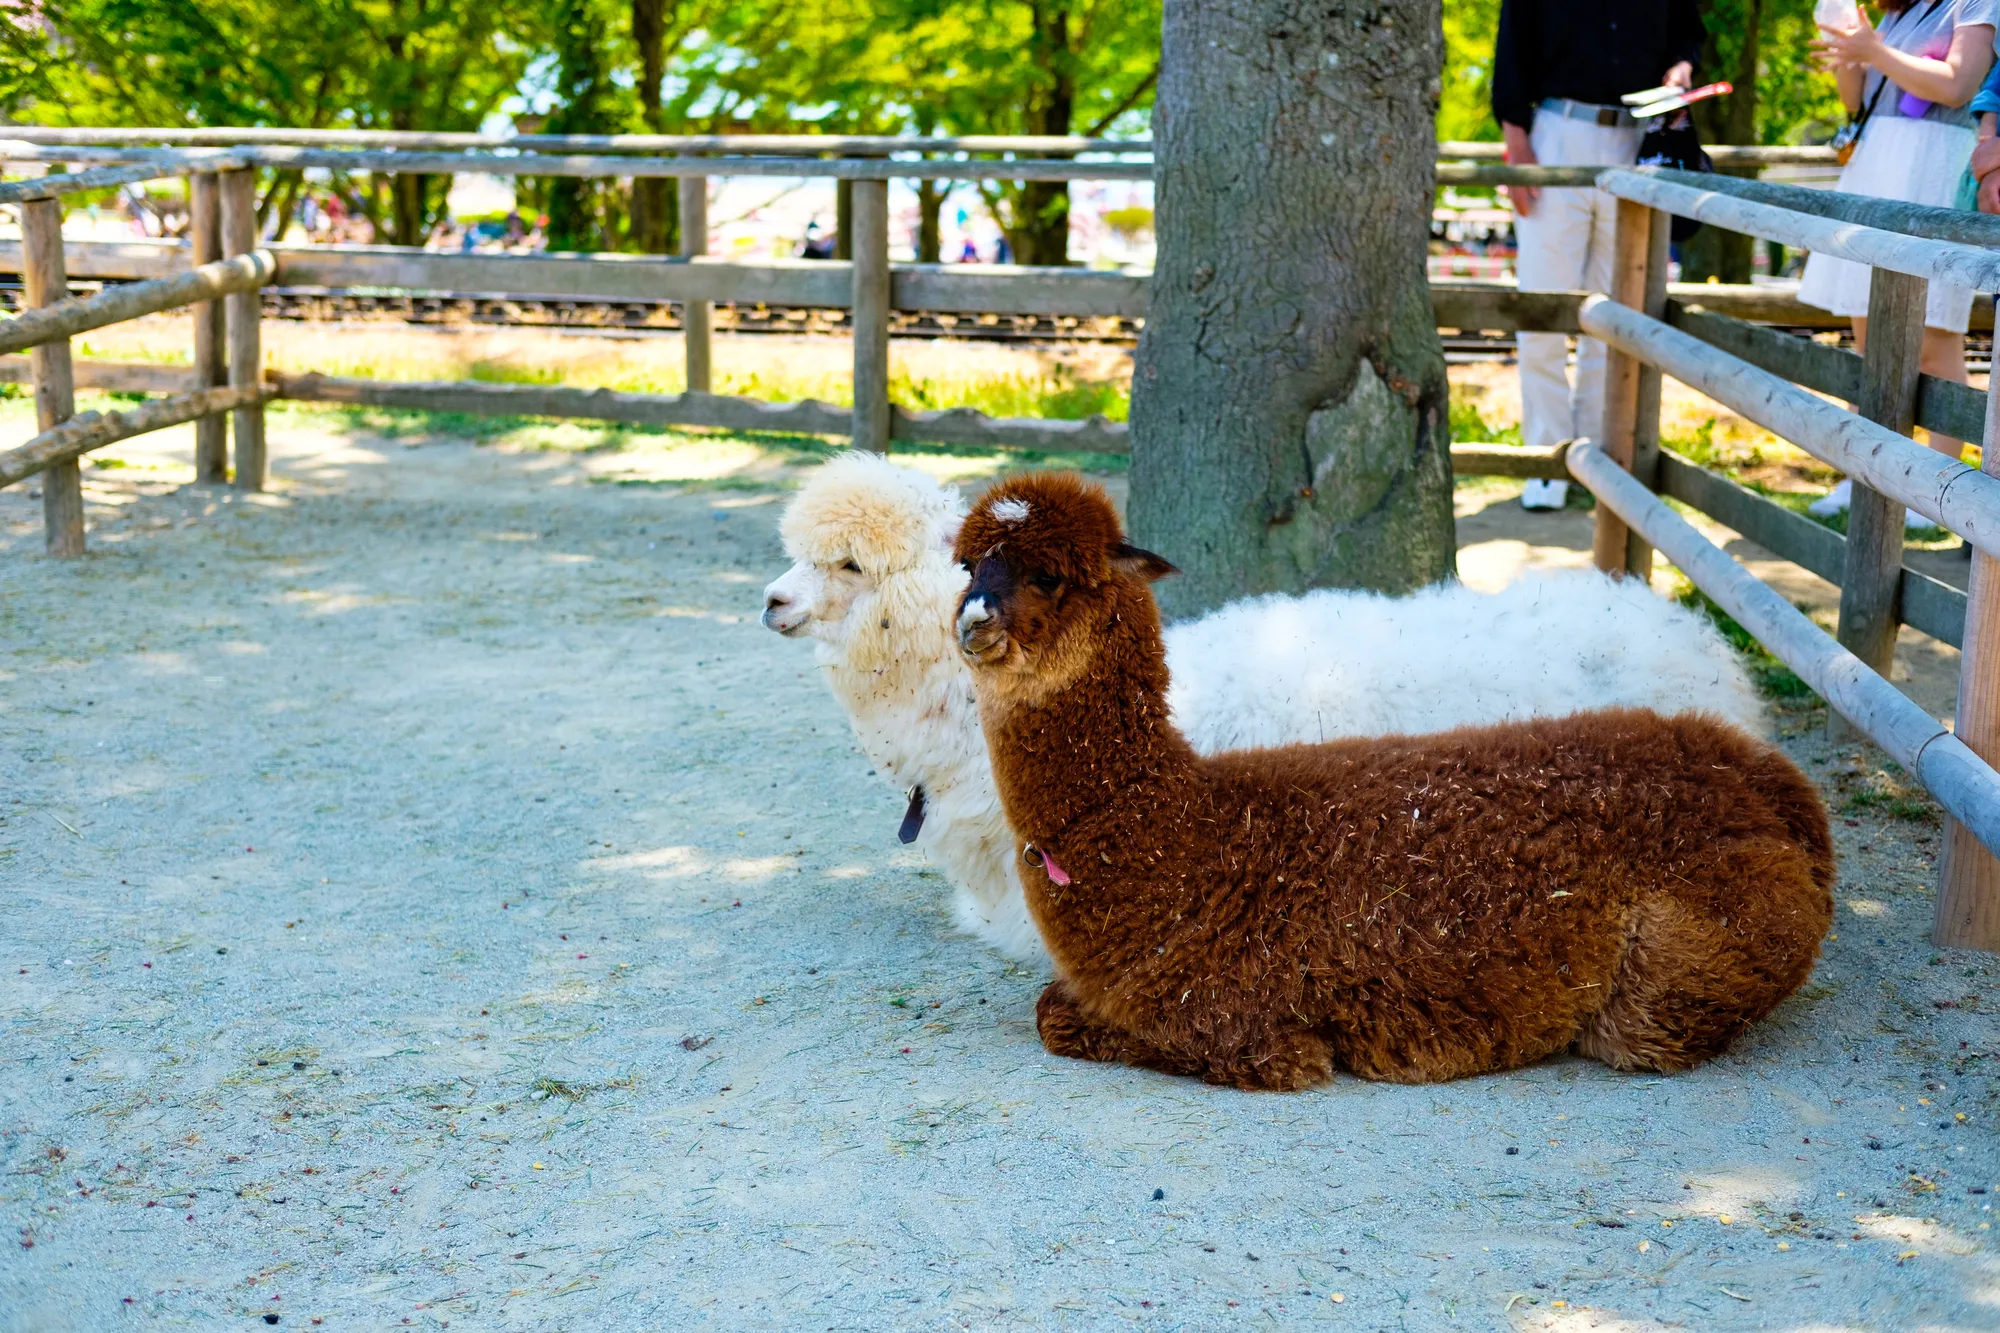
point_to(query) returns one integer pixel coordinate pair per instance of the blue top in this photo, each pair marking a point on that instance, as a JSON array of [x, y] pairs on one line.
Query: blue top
[[1989, 94]]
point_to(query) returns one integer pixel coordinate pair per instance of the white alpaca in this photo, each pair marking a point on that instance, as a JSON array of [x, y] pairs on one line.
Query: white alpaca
[[873, 584]]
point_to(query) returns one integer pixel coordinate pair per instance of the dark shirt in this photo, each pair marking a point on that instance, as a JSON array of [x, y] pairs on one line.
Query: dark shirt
[[1587, 50]]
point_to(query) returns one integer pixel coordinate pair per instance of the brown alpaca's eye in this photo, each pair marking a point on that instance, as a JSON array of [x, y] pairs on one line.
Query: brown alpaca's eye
[[851, 567], [1047, 584]]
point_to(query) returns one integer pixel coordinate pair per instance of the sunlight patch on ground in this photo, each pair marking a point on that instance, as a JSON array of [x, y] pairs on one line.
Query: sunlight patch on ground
[[660, 863], [1491, 565], [1920, 1234], [327, 602], [749, 868], [1737, 1195]]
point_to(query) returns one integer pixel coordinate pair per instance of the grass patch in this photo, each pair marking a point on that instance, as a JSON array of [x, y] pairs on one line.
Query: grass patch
[[1884, 792], [1772, 677], [1469, 427], [544, 1088], [1736, 458]]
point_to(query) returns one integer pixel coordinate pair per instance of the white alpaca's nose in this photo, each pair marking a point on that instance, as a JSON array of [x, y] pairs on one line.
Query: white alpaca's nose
[[781, 613]]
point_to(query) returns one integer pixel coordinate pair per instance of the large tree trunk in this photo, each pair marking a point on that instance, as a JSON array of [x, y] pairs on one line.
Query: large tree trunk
[[1289, 422], [1730, 52]]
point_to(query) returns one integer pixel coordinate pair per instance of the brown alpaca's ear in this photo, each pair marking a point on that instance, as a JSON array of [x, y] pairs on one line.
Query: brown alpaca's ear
[[1129, 559]]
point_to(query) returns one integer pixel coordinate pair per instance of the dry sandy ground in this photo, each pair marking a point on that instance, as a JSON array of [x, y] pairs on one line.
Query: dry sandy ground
[[431, 899]]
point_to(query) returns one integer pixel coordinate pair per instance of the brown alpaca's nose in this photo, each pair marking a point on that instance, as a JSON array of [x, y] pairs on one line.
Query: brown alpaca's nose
[[975, 626]]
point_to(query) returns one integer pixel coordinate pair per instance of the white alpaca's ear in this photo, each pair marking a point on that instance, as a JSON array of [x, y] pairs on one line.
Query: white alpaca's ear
[[948, 531]]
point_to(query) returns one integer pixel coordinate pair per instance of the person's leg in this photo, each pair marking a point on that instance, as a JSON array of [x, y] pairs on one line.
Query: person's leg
[[1944, 356], [1553, 241], [1608, 145]]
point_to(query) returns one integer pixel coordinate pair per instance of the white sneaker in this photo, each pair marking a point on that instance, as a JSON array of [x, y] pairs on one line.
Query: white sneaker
[[1836, 501], [1543, 494], [1841, 498]]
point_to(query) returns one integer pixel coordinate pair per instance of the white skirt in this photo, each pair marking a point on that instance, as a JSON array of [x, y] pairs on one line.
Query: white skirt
[[1917, 162]]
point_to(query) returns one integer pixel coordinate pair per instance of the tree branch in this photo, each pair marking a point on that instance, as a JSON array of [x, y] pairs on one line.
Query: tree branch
[[1131, 100]]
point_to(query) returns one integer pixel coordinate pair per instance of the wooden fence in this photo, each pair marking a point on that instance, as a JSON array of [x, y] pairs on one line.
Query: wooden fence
[[1707, 336], [1766, 377]]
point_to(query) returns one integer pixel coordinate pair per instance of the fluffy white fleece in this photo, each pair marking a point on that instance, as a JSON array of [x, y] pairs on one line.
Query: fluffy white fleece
[[873, 585]]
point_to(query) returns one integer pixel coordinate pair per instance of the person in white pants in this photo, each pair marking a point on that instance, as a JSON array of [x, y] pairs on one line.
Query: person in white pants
[[1565, 239], [1560, 71]]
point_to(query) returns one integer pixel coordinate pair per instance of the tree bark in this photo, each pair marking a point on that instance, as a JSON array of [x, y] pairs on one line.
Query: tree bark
[[930, 230], [1289, 418], [843, 219]]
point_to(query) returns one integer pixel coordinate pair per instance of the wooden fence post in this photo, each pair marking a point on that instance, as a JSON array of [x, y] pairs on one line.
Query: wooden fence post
[[1968, 906], [697, 317], [46, 281], [211, 433], [1646, 413], [871, 315], [1612, 541], [242, 311], [1874, 568]]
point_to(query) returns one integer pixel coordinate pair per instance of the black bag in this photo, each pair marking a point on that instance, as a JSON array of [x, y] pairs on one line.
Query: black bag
[[1671, 141]]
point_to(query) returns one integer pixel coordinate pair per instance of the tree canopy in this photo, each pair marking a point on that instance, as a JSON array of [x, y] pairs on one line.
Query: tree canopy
[[839, 66]]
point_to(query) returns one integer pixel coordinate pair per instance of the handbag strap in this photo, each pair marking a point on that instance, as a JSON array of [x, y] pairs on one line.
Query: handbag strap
[[1861, 120]]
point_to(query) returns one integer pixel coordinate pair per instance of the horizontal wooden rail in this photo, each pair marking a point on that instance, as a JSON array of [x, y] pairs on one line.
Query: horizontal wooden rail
[[789, 145], [1507, 460], [1958, 778], [1956, 409], [1723, 155], [1496, 173], [93, 430], [1957, 225], [1941, 489], [105, 178], [987, 288], [174, 161], [1924, 603], [109, 376], [114, 305], [1935, 261], [959, 426]]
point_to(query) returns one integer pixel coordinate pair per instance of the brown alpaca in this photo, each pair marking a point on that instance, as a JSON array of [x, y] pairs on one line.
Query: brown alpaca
[[1412, 908]]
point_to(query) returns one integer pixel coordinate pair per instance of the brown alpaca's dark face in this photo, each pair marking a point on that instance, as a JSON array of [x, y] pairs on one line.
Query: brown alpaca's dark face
[[1022, 618], [1049, 566], [1007, 617]]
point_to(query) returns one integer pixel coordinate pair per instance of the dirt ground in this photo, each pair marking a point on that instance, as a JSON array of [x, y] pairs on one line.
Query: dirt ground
[[432, 900]]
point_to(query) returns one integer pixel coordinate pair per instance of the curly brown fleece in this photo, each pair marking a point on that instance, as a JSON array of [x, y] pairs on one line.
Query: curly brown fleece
[[1641, 888]]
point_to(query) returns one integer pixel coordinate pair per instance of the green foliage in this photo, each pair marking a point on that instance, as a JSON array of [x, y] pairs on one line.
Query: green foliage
[[1466, 112], [583, 212], [314, 64]]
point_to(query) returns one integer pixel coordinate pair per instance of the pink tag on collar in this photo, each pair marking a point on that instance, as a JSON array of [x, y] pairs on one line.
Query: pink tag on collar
[[1035, 856]]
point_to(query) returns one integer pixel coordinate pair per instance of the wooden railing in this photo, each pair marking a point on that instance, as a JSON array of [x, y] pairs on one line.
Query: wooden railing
[[1766, 377], [227, 270]]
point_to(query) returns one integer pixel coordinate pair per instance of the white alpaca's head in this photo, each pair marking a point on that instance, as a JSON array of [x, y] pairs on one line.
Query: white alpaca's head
[[860, 521]]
